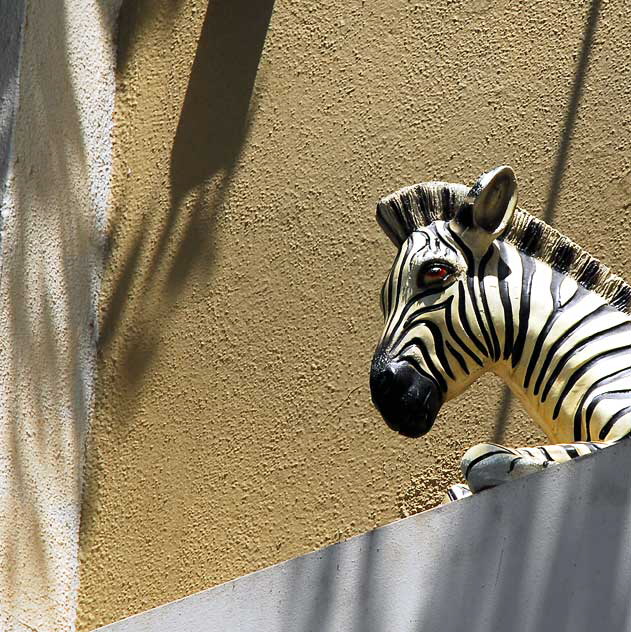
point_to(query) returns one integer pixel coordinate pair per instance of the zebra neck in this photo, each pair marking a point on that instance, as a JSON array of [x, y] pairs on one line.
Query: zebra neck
[[566, 352]]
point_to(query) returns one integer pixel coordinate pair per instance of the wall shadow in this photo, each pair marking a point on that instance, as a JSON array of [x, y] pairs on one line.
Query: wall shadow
[[155, 265], [168, 196], [214, 121], [580, 75], [556, 179]]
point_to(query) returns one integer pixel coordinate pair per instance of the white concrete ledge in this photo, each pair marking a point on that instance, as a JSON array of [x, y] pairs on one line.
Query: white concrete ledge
[[550, 552]]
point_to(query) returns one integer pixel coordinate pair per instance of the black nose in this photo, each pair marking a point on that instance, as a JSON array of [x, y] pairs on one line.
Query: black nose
[[407, 400]]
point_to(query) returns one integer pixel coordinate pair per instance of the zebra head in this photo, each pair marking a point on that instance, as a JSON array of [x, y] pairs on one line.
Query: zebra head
[[436, 341]]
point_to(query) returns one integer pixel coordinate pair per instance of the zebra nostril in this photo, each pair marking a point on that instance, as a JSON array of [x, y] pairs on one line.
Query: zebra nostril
[[407, 400]]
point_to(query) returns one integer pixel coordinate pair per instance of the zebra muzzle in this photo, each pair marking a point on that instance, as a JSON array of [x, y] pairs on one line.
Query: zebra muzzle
[[407, 400]]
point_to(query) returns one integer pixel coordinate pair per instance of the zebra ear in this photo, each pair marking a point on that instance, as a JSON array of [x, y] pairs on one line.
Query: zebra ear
[[488, 208]]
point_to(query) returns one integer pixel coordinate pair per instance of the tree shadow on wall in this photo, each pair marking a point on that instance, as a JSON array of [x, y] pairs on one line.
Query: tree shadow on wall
[[214, 121], [45, 322], [212, 128]]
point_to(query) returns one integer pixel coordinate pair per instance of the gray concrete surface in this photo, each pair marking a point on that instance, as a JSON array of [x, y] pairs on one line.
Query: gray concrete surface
[[550, 552]]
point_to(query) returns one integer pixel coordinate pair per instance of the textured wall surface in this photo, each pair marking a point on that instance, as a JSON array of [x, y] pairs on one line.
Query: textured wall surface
[[12, 20], [520, 558], [240, 308], [55, 171]]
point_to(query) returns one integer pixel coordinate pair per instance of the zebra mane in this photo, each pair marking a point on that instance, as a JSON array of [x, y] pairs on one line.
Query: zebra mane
[[416, 206]]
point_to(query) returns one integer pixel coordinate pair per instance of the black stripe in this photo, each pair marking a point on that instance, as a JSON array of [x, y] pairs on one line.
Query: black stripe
[[450, 248], [431, 367], [623, 394], [471, 276], [485, 303], [455, 336], [414, 362], [607, 379], [545, 453], [602, 435], [503, 270], [447, 200], [480, 458], [434, 330], [578, 374], [430, 376], [402, 258], [417, 343], [462, 313], [514, 462], [390, 291], [385, 307], [409, 305], [459, 358], [557, 344], [573, 351], [478, 313], [570, 450], [414, 319], [528, 272], [555, 292], [404, 262]]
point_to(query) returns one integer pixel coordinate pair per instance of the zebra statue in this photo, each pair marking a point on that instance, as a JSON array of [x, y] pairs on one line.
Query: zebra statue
[[479, 285]]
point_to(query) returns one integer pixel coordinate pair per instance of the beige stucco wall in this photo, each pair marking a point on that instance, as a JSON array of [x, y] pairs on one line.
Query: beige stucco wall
[[233, 427]]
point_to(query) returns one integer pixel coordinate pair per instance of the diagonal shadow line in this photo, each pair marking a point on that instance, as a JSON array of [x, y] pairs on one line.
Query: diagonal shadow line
[[556, 181], [572, 111], [502, 415]]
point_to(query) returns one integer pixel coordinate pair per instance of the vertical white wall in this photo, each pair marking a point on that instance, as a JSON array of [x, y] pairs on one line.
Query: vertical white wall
[[56, 188], [12, 21]]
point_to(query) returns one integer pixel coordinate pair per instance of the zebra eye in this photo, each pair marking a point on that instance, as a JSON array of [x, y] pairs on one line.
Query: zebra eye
[[435, 274]]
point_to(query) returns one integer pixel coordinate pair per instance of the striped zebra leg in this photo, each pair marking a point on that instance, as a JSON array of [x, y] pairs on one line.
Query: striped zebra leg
[[488, 464]]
